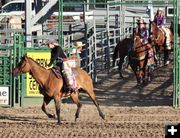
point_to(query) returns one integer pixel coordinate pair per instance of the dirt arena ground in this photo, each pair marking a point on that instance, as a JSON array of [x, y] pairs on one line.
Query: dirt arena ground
[[130, 112]]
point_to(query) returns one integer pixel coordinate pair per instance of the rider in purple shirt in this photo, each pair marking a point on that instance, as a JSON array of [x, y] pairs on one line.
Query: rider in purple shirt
[[159, 18], [143, 31]]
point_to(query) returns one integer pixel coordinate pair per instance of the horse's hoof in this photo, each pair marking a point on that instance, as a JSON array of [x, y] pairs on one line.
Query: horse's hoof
[[121, 77], [51, 116], [167, 62], [76, 117], [139, 86], [103, 117], [59, 123], [149, 80]]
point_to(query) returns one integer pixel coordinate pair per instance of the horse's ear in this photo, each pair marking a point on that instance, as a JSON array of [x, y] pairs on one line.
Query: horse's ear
[[25, 57]]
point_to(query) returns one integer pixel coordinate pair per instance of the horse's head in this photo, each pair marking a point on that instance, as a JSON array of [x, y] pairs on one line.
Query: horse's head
[[137, 42], [23, 66]]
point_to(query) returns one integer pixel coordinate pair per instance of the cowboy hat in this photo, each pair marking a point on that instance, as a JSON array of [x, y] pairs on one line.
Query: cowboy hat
[[52, 41], [141, 21], [159, 9], [78, 44]]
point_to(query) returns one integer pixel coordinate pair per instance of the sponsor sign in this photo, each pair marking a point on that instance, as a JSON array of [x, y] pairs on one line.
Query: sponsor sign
[[4, 95], [43, 58]]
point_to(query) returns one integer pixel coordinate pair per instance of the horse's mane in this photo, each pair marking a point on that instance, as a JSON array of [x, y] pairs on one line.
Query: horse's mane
[[36, 62], [153, 23]]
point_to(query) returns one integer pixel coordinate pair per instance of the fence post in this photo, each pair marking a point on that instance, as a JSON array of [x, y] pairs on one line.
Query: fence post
[[95, 52], [17, 81], [108, 40], [86, 47]]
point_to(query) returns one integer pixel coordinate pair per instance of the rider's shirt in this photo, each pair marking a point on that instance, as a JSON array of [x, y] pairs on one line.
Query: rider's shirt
[[144, 34], [159, 20], [57, 55]]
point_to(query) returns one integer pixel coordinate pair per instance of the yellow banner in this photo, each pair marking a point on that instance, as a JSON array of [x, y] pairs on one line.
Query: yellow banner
[[43, 58]]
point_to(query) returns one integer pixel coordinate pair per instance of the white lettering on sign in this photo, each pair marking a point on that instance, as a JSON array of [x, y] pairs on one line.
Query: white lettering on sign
[[4, 95]]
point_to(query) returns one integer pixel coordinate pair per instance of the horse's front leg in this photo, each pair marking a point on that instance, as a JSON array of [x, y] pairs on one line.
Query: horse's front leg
[[57, 99], [75, 99], [45, 103]]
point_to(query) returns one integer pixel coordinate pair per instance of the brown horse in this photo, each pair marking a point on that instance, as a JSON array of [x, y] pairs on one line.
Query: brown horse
[[159, 39], [52, 87], [141, 54]]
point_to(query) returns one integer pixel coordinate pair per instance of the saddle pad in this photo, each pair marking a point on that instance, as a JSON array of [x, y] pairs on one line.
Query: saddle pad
[[71, 62], [167, 33]]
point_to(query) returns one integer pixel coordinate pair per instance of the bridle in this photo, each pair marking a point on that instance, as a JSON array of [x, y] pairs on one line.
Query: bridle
[[22, 66]]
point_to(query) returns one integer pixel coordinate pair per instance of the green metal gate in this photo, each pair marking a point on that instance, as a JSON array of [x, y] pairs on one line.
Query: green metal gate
[[10, 85], [176, 96], [5, 76]]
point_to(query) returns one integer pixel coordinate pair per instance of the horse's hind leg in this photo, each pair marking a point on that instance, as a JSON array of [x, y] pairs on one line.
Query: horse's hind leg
[[120, 66], [45, 103], [89, 90], [166, 57], [75, 99], [57, 106]]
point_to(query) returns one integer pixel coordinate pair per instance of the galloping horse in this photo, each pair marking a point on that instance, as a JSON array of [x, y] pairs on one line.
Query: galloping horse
[[123, 48], [159, 39], [52, 87]]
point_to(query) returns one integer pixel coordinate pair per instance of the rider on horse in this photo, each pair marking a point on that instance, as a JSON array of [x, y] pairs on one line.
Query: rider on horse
[[58, 56], [159, 18], [159, 21], [143, 32]]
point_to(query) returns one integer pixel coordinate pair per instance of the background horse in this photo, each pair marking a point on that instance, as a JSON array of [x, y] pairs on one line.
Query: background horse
[[122, 50], [141, 55], [52, 87], [172, 28], [158, 38]]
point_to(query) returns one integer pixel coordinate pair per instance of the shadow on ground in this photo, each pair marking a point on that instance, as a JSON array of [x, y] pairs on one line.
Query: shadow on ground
[[113, 91]]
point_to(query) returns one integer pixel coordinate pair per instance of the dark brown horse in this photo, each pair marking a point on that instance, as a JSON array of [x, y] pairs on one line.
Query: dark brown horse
[[124, 49], [159, 39], [52, 87], [172, 28]]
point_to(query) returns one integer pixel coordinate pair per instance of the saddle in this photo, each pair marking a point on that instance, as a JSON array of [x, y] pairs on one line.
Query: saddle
[[68, 78], [57, 71], [166, 33]]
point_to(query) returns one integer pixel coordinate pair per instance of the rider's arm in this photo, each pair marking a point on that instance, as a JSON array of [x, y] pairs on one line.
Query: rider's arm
[[54, 56]]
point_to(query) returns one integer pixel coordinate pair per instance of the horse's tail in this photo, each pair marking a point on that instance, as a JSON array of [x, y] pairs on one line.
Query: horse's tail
[[115, 55]]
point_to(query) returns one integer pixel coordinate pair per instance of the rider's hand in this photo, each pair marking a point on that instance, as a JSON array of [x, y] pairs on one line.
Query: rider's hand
[[49, 67]]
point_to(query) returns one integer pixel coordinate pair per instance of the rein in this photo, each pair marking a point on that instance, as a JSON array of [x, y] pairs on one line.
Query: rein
[[139, 58]]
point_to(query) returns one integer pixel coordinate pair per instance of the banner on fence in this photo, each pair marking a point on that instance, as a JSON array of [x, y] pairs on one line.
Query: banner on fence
[[4, 95], [43, 58]]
